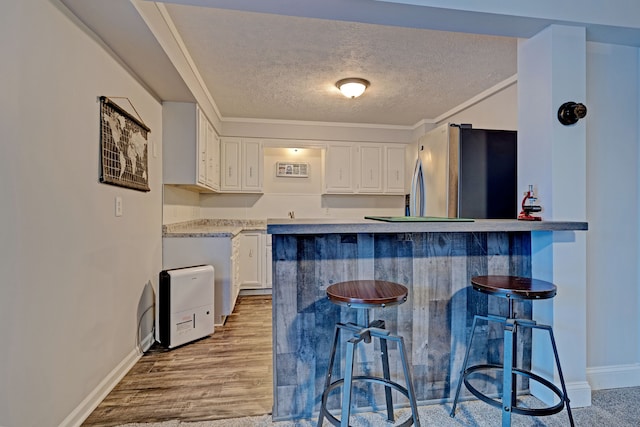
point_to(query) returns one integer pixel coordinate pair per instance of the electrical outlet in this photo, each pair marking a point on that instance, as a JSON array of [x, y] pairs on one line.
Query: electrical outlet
[[118, 206]]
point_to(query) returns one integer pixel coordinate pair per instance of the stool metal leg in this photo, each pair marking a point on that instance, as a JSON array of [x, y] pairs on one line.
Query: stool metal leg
[[384, 355], [346, 387], [463, 368], [407, 376], [387, 376], [555, 353], [508, 404], [346, 383], [508, 377], [327, 382]]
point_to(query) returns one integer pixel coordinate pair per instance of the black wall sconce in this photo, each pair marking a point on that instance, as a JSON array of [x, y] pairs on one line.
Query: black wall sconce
[[570, 112]]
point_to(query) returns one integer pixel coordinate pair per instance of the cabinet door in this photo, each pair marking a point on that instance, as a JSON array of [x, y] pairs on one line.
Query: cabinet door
[[250, 260], [235, 267], [338, 169], [370, 168], [201, 163], [252, 165], [213, 158], [230, 162], [394, 169], [268, 275]]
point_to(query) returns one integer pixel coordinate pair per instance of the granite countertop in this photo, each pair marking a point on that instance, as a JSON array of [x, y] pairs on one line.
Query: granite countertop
[[328, 225], [213, 227]]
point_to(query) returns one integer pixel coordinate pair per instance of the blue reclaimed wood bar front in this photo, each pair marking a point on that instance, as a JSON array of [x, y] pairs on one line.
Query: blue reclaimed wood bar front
[[435, 260]]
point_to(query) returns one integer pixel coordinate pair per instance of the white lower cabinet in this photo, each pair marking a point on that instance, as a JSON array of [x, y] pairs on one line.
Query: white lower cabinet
[[268, 262], [250, 260], [220, 252], [255, 260]]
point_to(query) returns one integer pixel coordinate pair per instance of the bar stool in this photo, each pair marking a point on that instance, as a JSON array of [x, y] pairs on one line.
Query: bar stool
[[513, 288], [364, 295]]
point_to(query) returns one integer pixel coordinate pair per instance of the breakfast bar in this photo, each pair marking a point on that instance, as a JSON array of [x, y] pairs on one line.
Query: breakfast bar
[[434, 259]]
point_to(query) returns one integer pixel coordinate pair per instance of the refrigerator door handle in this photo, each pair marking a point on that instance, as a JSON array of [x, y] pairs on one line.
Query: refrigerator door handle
[[416, 203]]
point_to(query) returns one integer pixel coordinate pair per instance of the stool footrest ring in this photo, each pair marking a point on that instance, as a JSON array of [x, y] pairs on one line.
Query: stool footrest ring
[[364, 378], [550, 410]]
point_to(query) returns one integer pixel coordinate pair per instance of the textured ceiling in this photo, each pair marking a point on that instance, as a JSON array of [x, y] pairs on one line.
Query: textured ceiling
[[269, 66]]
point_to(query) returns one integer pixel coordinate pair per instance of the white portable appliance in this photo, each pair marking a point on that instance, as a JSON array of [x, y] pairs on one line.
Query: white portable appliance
[[185, 305]]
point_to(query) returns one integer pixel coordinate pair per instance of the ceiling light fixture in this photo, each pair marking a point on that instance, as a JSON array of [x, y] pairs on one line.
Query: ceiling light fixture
[[352, 87]]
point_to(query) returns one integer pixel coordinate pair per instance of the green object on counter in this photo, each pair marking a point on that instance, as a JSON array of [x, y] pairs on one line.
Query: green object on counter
[[417, 219]]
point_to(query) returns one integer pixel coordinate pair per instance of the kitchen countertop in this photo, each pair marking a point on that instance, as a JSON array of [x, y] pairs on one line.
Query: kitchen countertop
[[343, 225], [213, 227]]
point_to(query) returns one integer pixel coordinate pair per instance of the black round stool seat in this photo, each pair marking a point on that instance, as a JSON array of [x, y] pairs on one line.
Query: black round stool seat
[[367, 293], [364, 295], [514, 287]]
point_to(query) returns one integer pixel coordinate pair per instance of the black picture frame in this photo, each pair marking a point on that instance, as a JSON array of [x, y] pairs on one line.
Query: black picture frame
[[124, 151]]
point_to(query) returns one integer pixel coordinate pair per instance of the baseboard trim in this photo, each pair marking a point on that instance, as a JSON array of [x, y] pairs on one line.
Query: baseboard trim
[[615, 376], [91, 402], [147, 342], [598, 378], [579, 393], [251, 292]]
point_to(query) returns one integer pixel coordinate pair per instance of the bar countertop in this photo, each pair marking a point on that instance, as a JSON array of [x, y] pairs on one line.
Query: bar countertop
[[345, 225]]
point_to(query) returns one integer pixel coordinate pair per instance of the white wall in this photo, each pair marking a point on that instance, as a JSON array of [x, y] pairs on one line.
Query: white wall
[[498, 111], [552, 157], [179, 205], [612, 211], [74, 277]]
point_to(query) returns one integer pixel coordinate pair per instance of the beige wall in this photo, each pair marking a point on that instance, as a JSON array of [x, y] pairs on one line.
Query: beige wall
[[75, 278]]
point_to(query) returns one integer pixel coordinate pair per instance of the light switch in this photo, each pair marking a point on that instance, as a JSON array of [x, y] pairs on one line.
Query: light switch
[[154, 149], [118, 205]]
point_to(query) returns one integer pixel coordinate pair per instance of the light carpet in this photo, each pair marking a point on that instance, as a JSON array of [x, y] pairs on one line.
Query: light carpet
[[617, 408]]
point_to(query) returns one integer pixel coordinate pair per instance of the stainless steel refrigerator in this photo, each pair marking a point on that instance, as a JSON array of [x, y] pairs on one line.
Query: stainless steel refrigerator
[[462, 172]]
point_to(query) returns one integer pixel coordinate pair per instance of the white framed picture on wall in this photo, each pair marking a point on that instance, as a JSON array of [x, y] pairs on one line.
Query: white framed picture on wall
[[292, 169]]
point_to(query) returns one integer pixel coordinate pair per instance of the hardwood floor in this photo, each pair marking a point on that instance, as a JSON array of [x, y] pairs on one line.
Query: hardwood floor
[[226, 375]]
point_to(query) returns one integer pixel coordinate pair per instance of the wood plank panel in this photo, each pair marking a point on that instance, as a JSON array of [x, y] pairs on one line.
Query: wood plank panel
[[435, 321]]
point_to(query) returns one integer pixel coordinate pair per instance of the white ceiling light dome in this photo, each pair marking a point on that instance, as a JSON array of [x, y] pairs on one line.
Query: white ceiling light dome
[[352, 87]]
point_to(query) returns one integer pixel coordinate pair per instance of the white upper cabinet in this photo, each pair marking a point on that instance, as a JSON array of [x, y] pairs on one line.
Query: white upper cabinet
[[252, 165], [395, 169], [364, 168], [201, 125], [190, 148], [213, 158], [241, 165], [338, 169], [370, 168], [230, 164]]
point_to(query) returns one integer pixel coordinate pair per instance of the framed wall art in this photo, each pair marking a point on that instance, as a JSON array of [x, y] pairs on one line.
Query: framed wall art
[[123, 147], [292, 169]]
